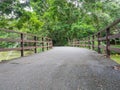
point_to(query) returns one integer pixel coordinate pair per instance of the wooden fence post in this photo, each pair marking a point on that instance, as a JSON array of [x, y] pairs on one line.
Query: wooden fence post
[[84, 43], [75, 43], [51, 43], [107, 42], [47, 44], [79, 43], [42, 44], [93, 37], [89, 42], [35, 44], [99, 50], [22, 45]]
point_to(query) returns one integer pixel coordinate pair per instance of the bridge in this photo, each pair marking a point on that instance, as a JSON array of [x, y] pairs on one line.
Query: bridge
[[72, 67]]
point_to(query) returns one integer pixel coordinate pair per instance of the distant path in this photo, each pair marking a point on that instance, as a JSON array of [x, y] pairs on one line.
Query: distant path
[[62, 68]]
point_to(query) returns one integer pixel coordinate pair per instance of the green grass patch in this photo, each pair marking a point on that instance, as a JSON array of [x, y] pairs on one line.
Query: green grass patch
[[116, 58], [12, 54], [8, 55]]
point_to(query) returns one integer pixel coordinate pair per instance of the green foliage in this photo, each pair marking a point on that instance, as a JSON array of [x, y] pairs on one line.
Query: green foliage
[[59, 19], [116, 58], [80, 30]]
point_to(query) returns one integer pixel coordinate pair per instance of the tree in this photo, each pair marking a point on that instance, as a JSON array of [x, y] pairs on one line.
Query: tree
[[61, 20]]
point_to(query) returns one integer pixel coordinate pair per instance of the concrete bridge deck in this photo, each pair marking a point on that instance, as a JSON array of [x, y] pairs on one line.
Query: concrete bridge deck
[[62, 68]]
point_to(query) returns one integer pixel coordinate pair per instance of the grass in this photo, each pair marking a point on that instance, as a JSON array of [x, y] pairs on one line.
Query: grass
[[116, 58], [8, 55], [12, 54]]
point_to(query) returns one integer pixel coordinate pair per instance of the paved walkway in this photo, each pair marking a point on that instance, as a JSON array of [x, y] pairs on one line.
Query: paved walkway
[[62, 68]]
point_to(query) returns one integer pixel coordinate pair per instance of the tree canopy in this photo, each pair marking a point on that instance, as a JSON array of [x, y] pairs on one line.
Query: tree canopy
[[61, 20]]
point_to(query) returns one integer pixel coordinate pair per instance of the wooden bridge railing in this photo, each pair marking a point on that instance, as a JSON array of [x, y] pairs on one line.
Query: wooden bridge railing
[[103, 40], [25, 41]]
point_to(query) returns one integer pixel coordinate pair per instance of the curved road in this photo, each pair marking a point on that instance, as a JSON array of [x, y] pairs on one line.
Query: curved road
[[62, 68]]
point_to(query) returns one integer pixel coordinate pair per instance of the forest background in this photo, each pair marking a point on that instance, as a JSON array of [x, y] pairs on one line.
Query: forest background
[[61, 20]]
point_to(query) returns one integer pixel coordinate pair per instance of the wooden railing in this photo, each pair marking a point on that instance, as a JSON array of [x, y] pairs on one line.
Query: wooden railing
[[25, 41], [103, 40]]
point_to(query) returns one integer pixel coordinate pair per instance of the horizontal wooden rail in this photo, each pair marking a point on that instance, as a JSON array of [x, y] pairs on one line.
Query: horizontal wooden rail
[[114, 36], [103, 36], [24, 43], [18, 40], [115, 49]]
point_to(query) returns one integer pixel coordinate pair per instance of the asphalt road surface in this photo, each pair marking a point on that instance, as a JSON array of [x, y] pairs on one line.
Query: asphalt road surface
[[62, 68]]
